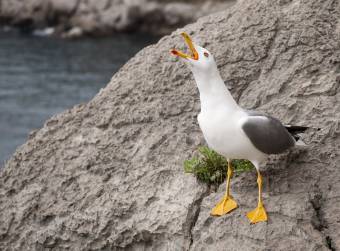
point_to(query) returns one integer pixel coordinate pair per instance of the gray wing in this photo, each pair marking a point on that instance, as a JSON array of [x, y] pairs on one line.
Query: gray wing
[[267, 133]]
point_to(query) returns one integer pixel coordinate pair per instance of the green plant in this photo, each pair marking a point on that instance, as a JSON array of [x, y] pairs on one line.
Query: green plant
[[211, 167]]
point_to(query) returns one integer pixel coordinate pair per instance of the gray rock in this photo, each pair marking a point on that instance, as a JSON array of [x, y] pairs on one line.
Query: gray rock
[[24, 12], [107, 16], [108, 175], [63, 7]]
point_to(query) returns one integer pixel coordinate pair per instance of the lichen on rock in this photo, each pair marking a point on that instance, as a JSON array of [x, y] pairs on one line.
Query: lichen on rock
[[108, 174]]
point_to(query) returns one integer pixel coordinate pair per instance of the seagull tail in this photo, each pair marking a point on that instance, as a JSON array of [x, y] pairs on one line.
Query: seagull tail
[[299, 142], [296, 132]]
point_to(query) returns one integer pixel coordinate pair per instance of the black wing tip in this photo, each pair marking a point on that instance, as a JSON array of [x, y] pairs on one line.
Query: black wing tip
[[300, 129]]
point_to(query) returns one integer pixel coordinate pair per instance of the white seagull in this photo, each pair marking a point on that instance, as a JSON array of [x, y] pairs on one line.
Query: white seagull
[[232, 131]]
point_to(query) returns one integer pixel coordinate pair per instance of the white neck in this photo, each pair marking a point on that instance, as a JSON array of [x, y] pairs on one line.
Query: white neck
[[213, 92]]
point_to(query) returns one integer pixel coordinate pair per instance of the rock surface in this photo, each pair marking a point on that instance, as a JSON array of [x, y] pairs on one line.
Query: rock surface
[[108, 175], [106, 16]]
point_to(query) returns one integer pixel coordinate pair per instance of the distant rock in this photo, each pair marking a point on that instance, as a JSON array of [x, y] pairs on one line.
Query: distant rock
[[75, 32], [44, 32], [107, 16], [108, 175]]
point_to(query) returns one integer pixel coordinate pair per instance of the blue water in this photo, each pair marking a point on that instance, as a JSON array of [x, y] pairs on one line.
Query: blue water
[[40, 77]]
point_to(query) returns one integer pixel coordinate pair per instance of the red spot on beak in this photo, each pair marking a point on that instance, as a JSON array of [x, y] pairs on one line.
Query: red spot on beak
[[174, 52]]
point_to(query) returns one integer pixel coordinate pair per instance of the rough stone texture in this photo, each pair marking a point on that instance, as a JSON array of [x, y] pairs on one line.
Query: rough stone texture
[[99, 17], [108, 175]]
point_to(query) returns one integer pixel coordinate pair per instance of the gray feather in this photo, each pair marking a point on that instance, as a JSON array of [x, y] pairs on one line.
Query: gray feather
[[267, 134]]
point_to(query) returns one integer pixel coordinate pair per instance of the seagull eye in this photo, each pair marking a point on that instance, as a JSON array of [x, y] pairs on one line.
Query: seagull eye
[[206, 54]]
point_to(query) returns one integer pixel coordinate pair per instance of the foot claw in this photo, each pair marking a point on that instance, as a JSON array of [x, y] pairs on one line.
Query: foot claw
[[226, 205], [257, 215]]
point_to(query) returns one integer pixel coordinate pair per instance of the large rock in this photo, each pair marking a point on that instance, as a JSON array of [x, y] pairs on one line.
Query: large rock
[[108, 175], [99, 17]]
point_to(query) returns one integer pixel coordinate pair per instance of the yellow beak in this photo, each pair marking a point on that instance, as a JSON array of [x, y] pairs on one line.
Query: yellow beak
[[188, 40]]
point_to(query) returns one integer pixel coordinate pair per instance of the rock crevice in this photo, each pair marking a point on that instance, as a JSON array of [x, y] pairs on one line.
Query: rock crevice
[[194, 211], [319, 222]]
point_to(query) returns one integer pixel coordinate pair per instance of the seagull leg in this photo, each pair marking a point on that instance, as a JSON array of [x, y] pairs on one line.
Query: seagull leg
[[227, 204], [258, 214]]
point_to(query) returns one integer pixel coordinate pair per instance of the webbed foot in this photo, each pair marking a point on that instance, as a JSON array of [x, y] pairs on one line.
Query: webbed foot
[[258, 214], [226, 205]]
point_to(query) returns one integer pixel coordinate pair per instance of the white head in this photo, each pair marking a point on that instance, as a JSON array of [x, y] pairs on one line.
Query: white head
[[209, 82], [200, 60]]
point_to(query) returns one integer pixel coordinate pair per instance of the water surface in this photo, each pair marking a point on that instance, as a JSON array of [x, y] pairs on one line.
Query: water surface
[[40, 77]]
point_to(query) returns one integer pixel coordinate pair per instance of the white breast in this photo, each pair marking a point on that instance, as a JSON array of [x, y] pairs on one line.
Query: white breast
[[223, 132]]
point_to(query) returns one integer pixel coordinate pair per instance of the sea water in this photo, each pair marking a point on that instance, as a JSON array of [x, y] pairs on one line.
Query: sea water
[[42, 76]]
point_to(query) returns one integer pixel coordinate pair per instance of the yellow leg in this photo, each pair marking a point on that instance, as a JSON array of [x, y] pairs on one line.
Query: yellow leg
[[258, 214], [227, 204]]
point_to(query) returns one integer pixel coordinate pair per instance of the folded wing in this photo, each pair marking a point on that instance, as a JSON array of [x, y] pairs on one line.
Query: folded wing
[[267, 134]]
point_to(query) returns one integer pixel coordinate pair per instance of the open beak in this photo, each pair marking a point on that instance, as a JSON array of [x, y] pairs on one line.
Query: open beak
[[193, 53]]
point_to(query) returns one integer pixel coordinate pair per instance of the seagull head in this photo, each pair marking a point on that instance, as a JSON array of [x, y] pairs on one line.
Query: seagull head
[[199, 59]]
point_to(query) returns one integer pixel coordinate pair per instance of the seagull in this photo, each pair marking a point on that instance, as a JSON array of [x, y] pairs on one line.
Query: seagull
[[231, 131]]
